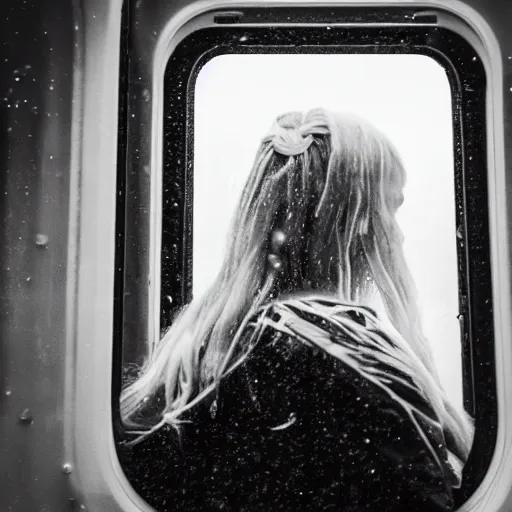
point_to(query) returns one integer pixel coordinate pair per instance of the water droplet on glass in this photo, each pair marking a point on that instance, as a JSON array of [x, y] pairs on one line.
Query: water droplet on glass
[[278, 239], [474, 59], [367, 441], [28, 278], [213, 409], [169, 298], [51, 87], [275, 262], [8, 392], [26, 417], [17, 79], [41, 240], [67, 468]]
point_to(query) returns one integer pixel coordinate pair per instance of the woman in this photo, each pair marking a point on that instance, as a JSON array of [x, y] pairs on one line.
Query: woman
[[281, 388]]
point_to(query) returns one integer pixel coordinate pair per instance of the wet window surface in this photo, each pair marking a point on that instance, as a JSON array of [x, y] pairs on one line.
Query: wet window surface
[[227, 436]]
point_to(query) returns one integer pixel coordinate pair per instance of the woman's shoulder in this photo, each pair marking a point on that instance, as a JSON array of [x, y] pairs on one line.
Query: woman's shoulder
[[319, 342], [296, 322], [322, 334], [305, 391]]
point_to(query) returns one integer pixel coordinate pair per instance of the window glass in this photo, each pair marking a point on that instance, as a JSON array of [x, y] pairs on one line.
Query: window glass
[[407, 97]]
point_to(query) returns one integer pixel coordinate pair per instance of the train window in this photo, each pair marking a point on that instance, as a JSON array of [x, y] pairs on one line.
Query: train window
[[317, 246]]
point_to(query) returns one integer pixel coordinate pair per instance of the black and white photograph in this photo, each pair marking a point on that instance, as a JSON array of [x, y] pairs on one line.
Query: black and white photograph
[[255, 256], [318, 364]]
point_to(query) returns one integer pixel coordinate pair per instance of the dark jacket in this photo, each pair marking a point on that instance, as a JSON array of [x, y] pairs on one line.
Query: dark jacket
[[295, 428]]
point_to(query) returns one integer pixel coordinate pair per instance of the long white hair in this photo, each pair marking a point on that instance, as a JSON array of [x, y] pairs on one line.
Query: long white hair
[[331, 184]]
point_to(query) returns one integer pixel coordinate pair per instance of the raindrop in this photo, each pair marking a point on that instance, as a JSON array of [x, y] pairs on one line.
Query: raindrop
[[367, 441], [145, 95], [67, 468], [51, 87], [278, 239], [26, 417], [169, 298], [244, 38], [275, 262], [41, 240], [51, 157], [8, 392], [28, 278], [474, 59], [213, 409], [17, 79]]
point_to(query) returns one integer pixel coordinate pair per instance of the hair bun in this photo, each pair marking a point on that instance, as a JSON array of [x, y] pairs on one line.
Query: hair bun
[[287, 137]]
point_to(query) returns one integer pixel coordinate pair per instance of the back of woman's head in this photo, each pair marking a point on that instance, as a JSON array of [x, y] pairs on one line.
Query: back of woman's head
[[329, 185]]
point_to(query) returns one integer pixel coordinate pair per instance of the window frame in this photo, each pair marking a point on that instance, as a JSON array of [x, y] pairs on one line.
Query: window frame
[[485, 41]]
